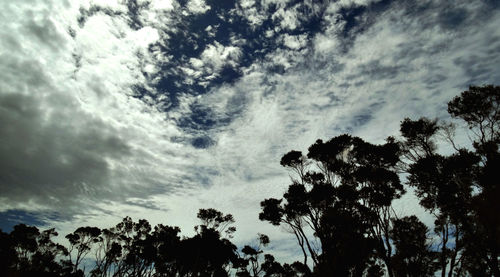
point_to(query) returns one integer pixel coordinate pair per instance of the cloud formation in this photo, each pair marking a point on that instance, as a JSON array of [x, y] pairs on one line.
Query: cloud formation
[[158, 108], [75, 133]]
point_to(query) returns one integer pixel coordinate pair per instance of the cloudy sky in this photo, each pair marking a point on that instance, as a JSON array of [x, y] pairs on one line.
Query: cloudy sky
[[156, 108]]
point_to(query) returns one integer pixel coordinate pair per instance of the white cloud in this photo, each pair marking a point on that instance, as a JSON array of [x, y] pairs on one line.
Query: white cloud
[[79, 136], [116, 5], [288, 18], [388, 72], [214, 58], [216, 55], [197, 6], [162, 5], [254, 15], [69, 111], [295, 42], [211, 31], [335, 7]]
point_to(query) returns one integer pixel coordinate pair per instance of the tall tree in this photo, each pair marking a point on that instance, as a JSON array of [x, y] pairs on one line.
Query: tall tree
[[479, 108], [81, 242], [341, 196], [461, 188], [208, 253], [414, 256], [28, 252]]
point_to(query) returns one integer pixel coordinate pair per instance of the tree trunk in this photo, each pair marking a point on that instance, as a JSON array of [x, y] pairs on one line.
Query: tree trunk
[[444, 250]]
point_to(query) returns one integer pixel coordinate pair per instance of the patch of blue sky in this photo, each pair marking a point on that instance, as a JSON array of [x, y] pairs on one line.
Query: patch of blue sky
[[10, 218]]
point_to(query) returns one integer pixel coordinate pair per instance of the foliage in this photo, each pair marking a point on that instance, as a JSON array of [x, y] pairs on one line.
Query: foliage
[[340, 198], [338, 206], [460, 189]]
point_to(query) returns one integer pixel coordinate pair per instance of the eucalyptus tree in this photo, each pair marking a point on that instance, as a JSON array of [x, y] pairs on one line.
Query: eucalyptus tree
[[414, 256], [339, 204], [27, 251], [461, 188]]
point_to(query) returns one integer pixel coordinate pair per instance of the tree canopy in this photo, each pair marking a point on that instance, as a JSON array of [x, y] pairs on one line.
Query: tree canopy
[[338, 206]]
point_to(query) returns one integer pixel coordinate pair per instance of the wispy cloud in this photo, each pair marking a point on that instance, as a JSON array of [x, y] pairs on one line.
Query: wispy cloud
[[105, 115], [76, 135]]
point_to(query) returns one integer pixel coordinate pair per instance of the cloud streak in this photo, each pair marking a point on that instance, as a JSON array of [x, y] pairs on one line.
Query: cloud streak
[[159, 109]]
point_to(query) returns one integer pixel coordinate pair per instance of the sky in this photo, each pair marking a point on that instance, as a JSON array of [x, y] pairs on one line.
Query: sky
[[155, 109]]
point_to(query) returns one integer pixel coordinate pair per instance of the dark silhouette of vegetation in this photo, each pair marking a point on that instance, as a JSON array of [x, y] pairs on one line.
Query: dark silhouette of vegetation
[[338, 207], [339, 203]]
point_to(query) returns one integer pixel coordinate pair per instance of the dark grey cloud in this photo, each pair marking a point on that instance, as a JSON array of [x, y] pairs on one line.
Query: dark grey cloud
[[149, 112], [47, 157], [70, 136]]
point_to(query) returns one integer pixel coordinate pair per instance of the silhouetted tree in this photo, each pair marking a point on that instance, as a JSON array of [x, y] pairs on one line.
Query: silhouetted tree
[[81, 241], [8, 255], [338, 206], [413, 256], [343, 194], [250, 263], [213, 219], [167, 243], [460, 189], [28, 252], [108, 252]]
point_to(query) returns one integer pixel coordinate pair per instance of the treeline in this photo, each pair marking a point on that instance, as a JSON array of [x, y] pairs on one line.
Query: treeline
[[338, 206]]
